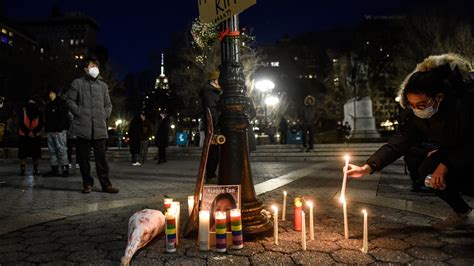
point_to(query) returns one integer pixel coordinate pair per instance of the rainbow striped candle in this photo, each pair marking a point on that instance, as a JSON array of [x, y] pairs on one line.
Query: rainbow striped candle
[[170, 232], [236, 225], [221, 231]]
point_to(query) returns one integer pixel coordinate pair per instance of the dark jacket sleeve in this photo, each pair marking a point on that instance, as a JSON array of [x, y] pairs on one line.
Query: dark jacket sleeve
[[72, 97], [107, 103], [64, 113], [396, 146]]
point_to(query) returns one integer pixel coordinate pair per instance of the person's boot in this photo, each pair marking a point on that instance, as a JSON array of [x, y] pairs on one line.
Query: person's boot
[[65, 171], [22, 170], [35, 170], [53, 172]]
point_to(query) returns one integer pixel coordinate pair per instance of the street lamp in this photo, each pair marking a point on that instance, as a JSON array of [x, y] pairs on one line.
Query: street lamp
[[271, 100], [265, 86]]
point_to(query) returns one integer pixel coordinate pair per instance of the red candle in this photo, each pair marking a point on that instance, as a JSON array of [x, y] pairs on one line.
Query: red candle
[[297, 214]]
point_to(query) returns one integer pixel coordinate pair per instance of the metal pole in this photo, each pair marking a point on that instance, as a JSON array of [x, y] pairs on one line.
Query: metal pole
[[234, 165]]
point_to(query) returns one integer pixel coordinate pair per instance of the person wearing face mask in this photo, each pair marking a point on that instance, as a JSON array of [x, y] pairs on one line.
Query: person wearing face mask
[[89, 101], [437, 108]]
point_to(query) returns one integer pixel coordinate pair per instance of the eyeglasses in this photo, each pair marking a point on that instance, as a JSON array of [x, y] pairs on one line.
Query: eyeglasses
[[421, 106]]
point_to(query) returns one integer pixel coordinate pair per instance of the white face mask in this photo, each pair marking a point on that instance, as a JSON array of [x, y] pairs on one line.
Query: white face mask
[[94, 72], [425, 113]]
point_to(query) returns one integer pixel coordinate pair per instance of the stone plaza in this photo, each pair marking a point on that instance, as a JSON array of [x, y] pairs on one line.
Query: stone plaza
[[48, 221]]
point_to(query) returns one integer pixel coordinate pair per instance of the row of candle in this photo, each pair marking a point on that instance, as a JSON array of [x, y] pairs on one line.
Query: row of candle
[[299, 221], [172, 210]]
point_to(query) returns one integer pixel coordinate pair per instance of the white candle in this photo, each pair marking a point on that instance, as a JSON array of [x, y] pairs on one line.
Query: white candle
[[190, 204], [344, 179], [204, 217], [303, 230], [365, 243], [176, 206], [275, 223], [283, 212], [346, 227], [311, 224]]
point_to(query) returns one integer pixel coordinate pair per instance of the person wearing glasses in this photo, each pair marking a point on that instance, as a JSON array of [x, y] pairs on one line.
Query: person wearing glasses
[[438, 107]]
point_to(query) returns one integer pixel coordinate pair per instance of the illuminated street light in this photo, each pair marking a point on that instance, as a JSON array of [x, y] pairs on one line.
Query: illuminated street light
[[264, 85], [271, 100], [118, 122]]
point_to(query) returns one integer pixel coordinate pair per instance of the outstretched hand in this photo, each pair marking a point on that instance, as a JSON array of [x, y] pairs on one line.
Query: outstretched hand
[[353, 170]]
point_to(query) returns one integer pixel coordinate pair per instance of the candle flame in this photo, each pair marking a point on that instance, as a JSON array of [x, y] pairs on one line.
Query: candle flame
[[275, 208], [346, 158], [364, 211], [309, 203], [284, 192], [342, 198]]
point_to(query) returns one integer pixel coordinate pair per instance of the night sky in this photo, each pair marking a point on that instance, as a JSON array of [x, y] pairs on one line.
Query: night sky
[[132, 30]]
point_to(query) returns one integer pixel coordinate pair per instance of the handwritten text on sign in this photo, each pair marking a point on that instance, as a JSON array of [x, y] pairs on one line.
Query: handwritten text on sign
[[219, 10]]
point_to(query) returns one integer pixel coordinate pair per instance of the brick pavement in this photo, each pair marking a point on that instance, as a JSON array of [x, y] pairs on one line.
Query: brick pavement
[[98, 238]]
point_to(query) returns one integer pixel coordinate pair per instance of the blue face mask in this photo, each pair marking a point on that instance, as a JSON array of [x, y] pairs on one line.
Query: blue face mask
[[425, 113]]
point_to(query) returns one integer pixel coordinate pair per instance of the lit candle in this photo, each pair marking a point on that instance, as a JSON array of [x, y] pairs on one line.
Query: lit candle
[[176, 206], [297, 214], [236, 226], [365, 243], [167, 203], [283, 211], [221, 231], [170, 232], [346, 227], [311, 224], [275, 223], [204, 218], [303, 230], [190, 205], [344, 179]]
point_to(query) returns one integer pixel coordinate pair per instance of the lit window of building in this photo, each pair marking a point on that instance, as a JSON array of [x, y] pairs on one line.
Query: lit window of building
[[81, 57], [274, 64], [71, 42], [4, 31], [296, 58], [10, 34], [82, 40], [77, 57], [77, 42], [41, 50]]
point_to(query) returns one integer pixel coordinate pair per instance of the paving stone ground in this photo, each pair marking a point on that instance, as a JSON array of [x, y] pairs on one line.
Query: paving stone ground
[[99, 237]]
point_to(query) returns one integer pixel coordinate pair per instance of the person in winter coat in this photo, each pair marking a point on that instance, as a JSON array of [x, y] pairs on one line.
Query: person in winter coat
[[162, 136], [89, 101], [30, 124], [56, 126], [283, 128], [4, 117], [308, 118], [438, 107], [209, 96], [145, 141], [135, 134]]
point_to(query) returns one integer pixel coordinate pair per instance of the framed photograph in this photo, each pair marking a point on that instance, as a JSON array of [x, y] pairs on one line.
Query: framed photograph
[[220, 198]]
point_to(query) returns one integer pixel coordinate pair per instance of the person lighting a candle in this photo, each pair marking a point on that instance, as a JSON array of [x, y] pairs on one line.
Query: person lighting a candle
[[437, 107]]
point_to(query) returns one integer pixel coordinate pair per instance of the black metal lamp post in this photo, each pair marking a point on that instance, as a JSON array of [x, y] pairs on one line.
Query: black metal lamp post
[[234, 166]]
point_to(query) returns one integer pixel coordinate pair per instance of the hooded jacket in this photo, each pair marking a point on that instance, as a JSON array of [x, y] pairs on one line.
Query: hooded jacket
[[89, 101], [450, 128], [56, 116]]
